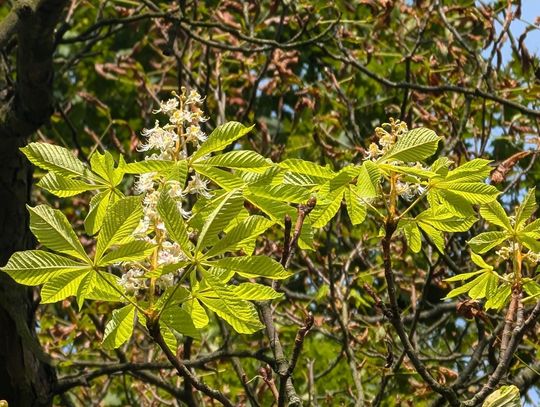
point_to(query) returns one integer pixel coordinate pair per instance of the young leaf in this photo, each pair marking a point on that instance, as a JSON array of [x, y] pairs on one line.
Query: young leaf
[[179, 320], [174, 222], [63, 285], [526, 209], [54, 231], [143, 167], [197, 313], [98, 208], [494, 213], [35, 267], [221, 137], [56, 159], [240, 235], [64, 187], [136, 250], [120, 221], [505, 396], [413, 236], [246, 160], [499, 298], [220, 217], [355, 206], [415, 145], [488, 240], [120, 328], [255, 292], [252, 266]]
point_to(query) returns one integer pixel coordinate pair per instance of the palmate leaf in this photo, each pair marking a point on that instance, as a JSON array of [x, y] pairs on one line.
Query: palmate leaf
[[494, 213], [476, 170], [499, 298], [35, 267], [415, 145], [121, 219], [442, 219], [98, 208], [180, 321], [240, 235], [174, 222], [220, 217], [221, 137], [255, 292], [485, 285], [103, 165], [311, 170], [355, 205], [505, 396], [240, 314], [56, 159], [245, 160], [63, 285], [136, 250], [526, 209], [53, 230], [196, 311], [224, 179], [326, 208], [368, 180], [120, 328], [252, 266], [143, 167], [65, 187], [488, 240], [283, 193], [412, 234]]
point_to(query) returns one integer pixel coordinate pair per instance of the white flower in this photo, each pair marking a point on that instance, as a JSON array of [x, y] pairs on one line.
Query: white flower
[[165, 281], [132, 281], [170, 253], [181, 117], [176, 190], [198, 186], [194, 133], [145, 183], [194, 97], [167, 107]]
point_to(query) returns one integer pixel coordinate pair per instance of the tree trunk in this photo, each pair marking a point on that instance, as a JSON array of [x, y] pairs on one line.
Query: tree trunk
[[26, 377]]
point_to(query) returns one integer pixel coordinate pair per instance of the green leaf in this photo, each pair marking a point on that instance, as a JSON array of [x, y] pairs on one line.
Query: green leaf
[[98, 208], [526, 209], [479, 261], [435, 235], [484, 287], [499, 299], [143, 167], [464, 276], [120, 328], [136, 250], [413, 236], [472, 192], [479, 284], [224, 179], [103, 165], [178, 172], [326, 208], [255, 292], [307, 168], [174, 222], [64, 187], [179, 320], [355, 206], [220, 217], [197, 313], [486, 241], [252, 266], [368, 180], [476, 170], [121, 220], [240, 314], [283, 193], [245, 160], [221, 137], [240, 235], [532, 229], [62, 286], [35, 267], [505, 396], [53, 230], [442, 219], [56, 159], [494, 213], [415, 145]]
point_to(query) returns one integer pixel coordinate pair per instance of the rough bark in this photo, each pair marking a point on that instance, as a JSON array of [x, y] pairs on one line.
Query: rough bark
[[26, 378]]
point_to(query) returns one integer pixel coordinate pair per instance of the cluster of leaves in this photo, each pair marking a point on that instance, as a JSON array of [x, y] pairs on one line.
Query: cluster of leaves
[[218, 240]]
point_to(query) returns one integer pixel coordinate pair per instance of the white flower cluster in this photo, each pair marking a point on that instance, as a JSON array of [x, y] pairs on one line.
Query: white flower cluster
[[167, 142]]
